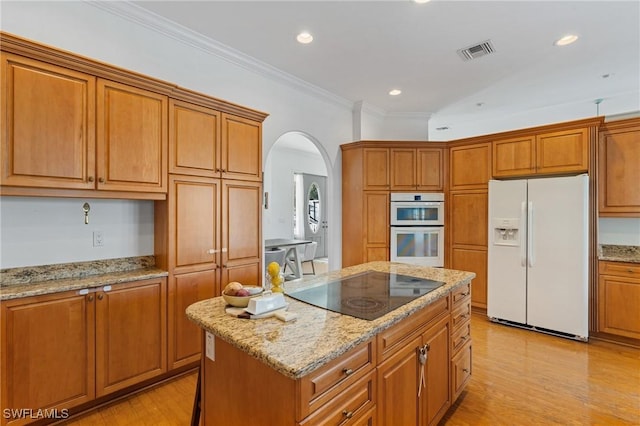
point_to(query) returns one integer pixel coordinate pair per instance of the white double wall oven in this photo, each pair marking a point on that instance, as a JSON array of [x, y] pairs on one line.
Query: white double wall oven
[[417, 228]]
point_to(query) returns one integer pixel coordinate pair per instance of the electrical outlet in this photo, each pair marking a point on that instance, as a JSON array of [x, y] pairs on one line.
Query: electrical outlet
[[98, 239]]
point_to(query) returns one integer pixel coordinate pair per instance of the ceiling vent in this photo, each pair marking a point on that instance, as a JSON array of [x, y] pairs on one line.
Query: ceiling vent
[[476, 51]]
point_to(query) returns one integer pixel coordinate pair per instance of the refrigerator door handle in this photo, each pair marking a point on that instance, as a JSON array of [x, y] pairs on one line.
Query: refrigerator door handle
[[523, 248], [530, 234]]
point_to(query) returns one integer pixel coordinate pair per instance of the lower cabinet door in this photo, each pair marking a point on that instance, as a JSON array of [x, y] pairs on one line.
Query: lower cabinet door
[[398, 379], [47, 353], [437, 398], [184, 335], [131, 330]]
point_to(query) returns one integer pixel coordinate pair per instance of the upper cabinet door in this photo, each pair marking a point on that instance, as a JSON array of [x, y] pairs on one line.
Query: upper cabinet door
[[514, 157], [131, 138], [376, 168], [429, 169], [48, 125], [562, 152], [194, 139], [241, 148], [403, 169], [470, 166]]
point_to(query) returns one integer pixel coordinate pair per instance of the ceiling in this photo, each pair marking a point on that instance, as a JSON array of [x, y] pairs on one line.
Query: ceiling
[[363, 49]]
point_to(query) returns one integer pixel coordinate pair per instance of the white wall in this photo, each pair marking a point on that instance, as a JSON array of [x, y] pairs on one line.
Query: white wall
[[41, 231], [283, 163], [619, 231]]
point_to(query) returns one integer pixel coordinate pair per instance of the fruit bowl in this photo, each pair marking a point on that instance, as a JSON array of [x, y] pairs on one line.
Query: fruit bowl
[[243, 301]]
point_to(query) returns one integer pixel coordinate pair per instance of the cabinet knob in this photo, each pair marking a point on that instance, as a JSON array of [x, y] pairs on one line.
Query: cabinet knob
[[224, 170], [630, 270], [347, 414], [90, 178], [101, 180], [90, 298], [347, 371], [466, 370], [100, 296], [212, 251]]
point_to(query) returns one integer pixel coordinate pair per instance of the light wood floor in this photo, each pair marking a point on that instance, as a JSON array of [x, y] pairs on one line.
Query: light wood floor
[[520, 377]]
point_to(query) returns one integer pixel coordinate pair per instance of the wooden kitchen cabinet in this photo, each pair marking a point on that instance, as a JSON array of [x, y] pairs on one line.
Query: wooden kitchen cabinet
[[618, 299], [469, 166], [564, 151], [48, 118], [131, 334], [400, 397], [416, 169], [48, 352], [241, 232], [241, 149], [194, 139], [375, 168], [376, 219], [131, 138], [184, 345], [619, 169], [66, 349]]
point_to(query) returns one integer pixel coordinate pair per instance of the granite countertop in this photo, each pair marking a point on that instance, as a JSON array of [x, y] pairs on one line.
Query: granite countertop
[[615, 253], [317, 336], [16, 283]]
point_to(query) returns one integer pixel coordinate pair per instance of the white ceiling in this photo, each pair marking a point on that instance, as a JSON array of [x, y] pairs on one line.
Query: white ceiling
[[362, 49]]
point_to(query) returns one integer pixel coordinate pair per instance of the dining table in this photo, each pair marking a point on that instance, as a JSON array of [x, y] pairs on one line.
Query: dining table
[[291, 257]]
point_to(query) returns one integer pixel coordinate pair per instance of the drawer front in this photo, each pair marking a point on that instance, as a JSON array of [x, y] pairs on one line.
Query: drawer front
[[461, 314], [461, 336], [461, 370], [460, 294], [348, 407], [390, 340], [324, 384], [621, 269]]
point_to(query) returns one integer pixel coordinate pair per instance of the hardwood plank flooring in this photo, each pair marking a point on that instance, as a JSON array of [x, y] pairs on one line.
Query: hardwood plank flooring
[[519, 377]]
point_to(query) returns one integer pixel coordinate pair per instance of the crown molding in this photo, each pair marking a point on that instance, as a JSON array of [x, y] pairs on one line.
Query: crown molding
[[168, 28]]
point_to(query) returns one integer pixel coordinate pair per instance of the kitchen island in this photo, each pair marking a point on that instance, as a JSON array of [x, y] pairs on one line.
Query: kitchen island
[[326, 367]]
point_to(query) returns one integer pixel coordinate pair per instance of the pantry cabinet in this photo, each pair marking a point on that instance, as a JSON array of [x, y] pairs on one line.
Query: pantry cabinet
[[618, 169], [66, 349]]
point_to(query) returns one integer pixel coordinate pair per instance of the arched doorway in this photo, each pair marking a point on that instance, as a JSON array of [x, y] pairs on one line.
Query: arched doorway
[[295, 182]]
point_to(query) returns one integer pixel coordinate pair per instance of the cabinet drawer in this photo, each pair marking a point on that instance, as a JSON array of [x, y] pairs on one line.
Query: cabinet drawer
[[621, 269], [461, 336], [348, 407], [459, 294], [391, 339], [461, 370], [461, 314], [324, 384]]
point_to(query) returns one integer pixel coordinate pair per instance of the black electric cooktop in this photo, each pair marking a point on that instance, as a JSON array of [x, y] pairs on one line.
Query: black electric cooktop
[[367, 295]]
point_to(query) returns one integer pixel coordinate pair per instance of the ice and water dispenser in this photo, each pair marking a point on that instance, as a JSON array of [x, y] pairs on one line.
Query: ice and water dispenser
[[506, 231]]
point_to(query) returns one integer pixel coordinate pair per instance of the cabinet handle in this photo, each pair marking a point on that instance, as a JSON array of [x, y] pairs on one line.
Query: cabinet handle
[[224, 170], [90, 298], [101, 180], [347, 414], [90, 178], [212, 251], [465, 316], [466, 370], [630, 270], [100, 296], [347, 371], [465, 294]]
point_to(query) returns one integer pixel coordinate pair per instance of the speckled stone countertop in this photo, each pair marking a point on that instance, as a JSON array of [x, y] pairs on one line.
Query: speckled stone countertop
[[317, 336], [615, 253], [16, 283]]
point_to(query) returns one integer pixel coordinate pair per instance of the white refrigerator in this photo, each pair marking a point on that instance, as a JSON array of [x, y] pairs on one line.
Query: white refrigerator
[[538, 254]]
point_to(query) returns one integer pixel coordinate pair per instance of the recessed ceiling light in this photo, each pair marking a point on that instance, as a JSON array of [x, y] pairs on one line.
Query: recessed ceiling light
[[304, 38], [395, 92], [568, 39]]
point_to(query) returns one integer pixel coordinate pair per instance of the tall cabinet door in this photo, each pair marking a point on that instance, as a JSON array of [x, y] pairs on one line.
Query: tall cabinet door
[[131, 334], [241, 232], [376, 237], [131, 138], [47, 351], [194, 205], [48, 125]]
